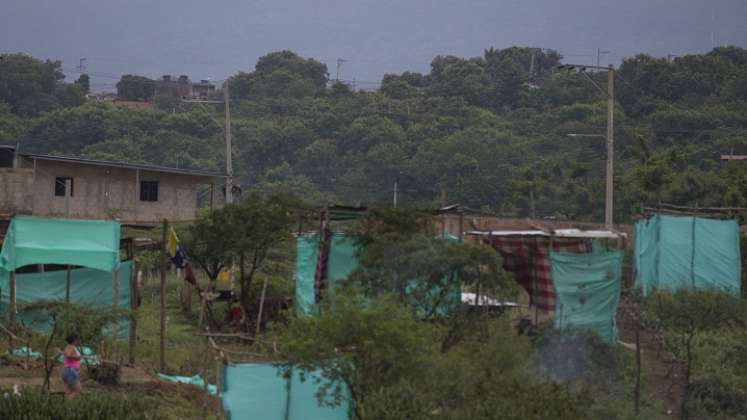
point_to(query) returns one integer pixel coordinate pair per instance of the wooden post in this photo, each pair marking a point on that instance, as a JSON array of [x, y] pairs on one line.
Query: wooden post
[[206, 397], [261, 305], [162, 351], [115, 306], [12, 292], [68, 193], [461, 224], [68, 281], [637, 392], [133, 307], [137, 194], [213, 203]]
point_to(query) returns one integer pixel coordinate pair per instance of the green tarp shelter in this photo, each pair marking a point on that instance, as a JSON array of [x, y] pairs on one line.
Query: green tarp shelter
[[92, 244], [587, 290], [85, 243], [260, 391], [87, 286], [342, 262], [675, 252]]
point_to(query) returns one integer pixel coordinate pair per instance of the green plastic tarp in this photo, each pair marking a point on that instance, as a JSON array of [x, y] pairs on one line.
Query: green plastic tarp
[[190, 380], [26, 352], [87, 286], [587, 291], [85, 243], [260, 391], [342, 262], [675, 252]]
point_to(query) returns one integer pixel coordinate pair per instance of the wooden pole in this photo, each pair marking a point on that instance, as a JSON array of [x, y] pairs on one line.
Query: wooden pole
[[12, 292], [637, 393], [609, 188], [68, 281], [162, 352], [261, 305], [68, 193], [115, 306], [133, 307], [461, 225]]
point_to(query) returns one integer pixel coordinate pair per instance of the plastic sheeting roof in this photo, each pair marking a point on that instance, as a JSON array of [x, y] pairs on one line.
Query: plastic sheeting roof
[[563, 233], [86, 243]]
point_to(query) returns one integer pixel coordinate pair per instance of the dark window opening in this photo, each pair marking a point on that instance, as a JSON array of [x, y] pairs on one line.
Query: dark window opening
[[59, 186], [148, 190], [7, 156]]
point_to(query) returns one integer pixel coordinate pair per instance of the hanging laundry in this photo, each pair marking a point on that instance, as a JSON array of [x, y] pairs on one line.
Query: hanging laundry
[[178, 256]]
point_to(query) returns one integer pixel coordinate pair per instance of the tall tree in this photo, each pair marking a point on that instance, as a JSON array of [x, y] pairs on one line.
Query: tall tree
[[136, 88]]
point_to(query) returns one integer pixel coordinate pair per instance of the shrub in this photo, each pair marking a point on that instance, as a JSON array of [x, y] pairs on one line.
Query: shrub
[[106, 373], [33, 404]]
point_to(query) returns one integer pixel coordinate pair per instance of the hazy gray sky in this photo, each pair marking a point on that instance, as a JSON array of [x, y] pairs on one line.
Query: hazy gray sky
[[215, 39]]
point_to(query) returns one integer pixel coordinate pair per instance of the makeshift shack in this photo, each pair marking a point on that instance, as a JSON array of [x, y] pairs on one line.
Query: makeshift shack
[[570, 275], [91, 245], [321, 266], [687, 252]]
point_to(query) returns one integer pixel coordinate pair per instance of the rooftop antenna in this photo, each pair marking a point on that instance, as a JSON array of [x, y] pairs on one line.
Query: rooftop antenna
[[713, 25]]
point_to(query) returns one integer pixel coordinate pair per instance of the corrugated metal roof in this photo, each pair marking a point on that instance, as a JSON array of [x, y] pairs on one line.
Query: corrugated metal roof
[[140, 166], [562, 233]]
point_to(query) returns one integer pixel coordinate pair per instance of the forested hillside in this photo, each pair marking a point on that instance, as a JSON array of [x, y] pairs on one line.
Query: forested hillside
[[489, 132]]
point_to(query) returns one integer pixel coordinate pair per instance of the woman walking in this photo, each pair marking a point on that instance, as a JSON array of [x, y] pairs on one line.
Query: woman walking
[[71, 368]]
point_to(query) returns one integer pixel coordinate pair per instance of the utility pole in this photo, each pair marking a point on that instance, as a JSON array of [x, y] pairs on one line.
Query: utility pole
[[339, 65], [531, 66], [600, 53], [226, 132], [609, 198], [609, 137], [229, 165]]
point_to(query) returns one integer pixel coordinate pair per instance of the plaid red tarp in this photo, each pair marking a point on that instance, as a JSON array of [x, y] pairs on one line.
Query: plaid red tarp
[[322, 262], [528, 259]]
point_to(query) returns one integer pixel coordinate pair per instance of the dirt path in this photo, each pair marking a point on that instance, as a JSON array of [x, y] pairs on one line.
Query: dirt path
[[17, 374]]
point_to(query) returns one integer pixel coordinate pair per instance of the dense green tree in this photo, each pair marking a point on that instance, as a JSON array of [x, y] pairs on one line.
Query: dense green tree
[[281, 74], [84, 81], [683, 318], [470, 129], [392, 366], [136, 88], [32, 86]]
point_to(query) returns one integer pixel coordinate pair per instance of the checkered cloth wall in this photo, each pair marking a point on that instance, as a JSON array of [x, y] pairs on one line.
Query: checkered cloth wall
[[528, 259], [322, 263]]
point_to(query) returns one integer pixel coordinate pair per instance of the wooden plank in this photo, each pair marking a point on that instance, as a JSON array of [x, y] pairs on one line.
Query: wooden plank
[[733, 157], [261, 305], [162, 349], [115, 303], [68, 282], [133, 307], [12, 291]]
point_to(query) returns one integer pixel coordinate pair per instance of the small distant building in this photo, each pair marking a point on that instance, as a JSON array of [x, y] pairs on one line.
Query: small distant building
[[203, 90], [133, 193]]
